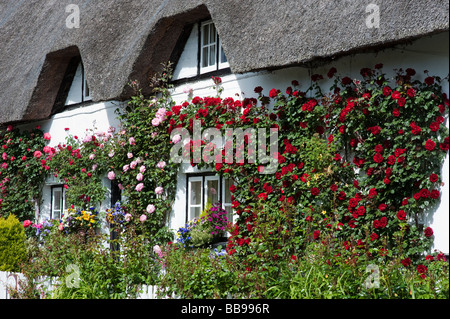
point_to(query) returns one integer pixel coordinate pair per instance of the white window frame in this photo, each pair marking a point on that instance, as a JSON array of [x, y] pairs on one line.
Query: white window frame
[[57, 213], [221, 193], [218, 63]]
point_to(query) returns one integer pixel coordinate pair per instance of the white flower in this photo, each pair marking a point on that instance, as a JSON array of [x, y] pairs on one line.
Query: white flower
[[130, 155]]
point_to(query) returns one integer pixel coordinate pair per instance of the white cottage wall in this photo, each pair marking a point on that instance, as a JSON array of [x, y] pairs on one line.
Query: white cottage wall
[[428, 53]]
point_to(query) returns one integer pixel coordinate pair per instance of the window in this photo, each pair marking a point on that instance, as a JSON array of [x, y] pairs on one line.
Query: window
[[212, 55], [79, 90], [58, 205], [205, 188]]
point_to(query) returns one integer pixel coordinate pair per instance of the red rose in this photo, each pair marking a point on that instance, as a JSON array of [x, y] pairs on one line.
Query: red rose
[[378, 158], [406, 262], [378, 148], [424, 193], [373, 237], [361, 210], [411, 92], [435, 194], [387, 91], [434, 126], [401, 102], [262, 196], [396, 112], [376, 223], [429, 80], [391, 160], [415, 129], [396, 95], [428, 232], [314, 191], [316, 234], [337, 157], [333, 187], [372, 192], [383, 222], [421, 269], [273, 93], [382, 207], [434, 178], [26, 223], [429, 145], [401, 215], [331, 72], [232, 188]]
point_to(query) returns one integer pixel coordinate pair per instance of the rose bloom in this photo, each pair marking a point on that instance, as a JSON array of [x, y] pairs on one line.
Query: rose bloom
[[378, 158], [26, 223], [428, 232], [140, 177], [139, 187], [406, 262], [161, 164], [434, 178], [130, 155], [429, 145], [434, 194], [111, 175], [127, 217], [143, 218], [401, 215], [176, 139], [316, 234], [314, 191], [47, 136], [37, 154], [150, 208], [159, 190]]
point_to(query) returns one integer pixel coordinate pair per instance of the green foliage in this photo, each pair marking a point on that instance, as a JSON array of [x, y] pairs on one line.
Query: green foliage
[[12, 244], [20, 165]]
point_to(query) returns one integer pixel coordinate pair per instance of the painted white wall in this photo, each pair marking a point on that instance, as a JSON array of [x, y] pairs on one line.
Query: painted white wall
[[428, 53], [83, 120]]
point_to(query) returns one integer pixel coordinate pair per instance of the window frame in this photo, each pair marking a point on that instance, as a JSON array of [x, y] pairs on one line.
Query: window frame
[[204, 178], [219, 64], [62, 201]]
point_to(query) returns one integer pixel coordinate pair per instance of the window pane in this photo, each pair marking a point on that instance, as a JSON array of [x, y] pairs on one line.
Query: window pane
[[227, 197], [205, 31], [212, 33], [223, 58], [196, 193], [229, 210], [195, 212], [212, 54], [205, 57], [212, 192], [57, 199]]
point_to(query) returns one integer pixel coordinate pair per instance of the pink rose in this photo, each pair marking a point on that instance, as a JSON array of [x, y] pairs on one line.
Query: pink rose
[[140, 177], [176, 139], [139, 187], [111, 175], [150, 208], [161, 164], [26, 223], [47, 136], [159, 190], [143, 218]]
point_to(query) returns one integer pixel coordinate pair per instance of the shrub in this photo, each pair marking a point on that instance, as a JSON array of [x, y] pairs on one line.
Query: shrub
[[12, 244]]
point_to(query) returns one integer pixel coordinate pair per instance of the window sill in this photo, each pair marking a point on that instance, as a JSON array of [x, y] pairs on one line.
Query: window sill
[[202, 76]]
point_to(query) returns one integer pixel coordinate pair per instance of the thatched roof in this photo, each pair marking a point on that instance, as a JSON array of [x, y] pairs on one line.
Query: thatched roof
[[123, 40]]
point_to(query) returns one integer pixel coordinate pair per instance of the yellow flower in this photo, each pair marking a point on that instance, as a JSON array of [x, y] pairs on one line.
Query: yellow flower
[[324, 212]]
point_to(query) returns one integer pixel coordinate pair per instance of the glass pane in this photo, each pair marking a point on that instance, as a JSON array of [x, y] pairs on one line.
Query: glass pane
[[212, 192], [205, 57], [205, 32], [57, 199], [223, 58], [196, 193], [195, 212], [212, 54], [228, 183], [229, 210], [212, 33]]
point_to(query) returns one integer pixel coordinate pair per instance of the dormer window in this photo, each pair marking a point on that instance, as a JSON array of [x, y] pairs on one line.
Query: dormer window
[[79, 90], [200, 53], [212, 55]]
